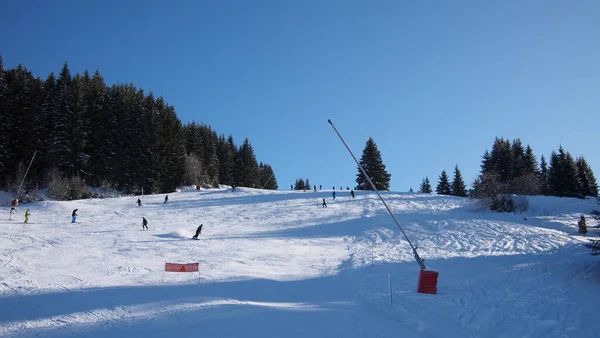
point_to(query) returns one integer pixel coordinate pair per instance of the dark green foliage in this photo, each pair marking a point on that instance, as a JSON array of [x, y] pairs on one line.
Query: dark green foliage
[[458, 185], [4, 106], [245, 171], [503, 203], [425, 186], [226, 151], [443, 187], [545, 189], [562, 175], [594, 245], [61, 147], [511, 168], [84, 132], [202, 142], [267, 177], [372, 164], [21, 127], [518, 165], [530, 162], [299, 184], [587, 180]]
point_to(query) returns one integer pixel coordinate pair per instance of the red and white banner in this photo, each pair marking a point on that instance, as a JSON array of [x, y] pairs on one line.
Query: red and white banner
[[175, 267]]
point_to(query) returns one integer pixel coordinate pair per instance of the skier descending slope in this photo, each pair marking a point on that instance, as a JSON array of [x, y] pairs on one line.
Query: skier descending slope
[[198, 231]]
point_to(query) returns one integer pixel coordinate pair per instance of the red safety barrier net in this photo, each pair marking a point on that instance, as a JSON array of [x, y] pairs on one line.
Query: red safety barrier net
[[175, 267]]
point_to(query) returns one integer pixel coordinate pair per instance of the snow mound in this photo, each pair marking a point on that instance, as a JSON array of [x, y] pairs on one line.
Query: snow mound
[[177, 234]]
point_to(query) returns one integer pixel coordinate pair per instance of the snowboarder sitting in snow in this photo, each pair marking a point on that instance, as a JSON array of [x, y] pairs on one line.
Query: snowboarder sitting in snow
[[166, 198], [12, 212], [27, 216], [74, 216], [139, 202], [324, 204], [144, 223], [198, 231]]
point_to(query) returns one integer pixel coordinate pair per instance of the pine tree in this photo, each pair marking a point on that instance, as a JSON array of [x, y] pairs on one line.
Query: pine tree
[[458, 185], [518, 161], [299, 185], [267, 177], [117, 136], [79, 126], [530, 162], [373, 165], [587, 180], [500, 160], [61, 144], [562, 175], [425, 186], [3, 122], [246, 167], [99, 136], [544, 176], [443, 187], [225, 154]]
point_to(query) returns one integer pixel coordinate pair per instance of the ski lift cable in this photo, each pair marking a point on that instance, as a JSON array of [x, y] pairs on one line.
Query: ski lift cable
[[419, 260]]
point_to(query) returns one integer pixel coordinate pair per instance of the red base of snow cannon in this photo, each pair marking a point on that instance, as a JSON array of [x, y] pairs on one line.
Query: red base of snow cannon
[[428, 281]]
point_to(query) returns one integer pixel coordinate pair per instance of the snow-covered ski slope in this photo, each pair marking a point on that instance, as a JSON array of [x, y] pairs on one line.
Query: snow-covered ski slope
[[277, 264]]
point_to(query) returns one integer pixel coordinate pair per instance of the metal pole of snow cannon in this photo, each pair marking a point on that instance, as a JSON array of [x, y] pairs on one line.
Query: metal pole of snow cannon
[[26, 171], [268, 181], [419, 260]]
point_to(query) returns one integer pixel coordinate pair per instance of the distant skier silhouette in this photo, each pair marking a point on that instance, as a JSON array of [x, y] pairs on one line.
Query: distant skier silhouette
[[144, 223], [166, 198], [324, 204], [198, 231], [74, 216], [139, 202]]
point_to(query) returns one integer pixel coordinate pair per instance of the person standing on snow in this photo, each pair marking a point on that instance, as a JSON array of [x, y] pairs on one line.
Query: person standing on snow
[[166, 198], [74, 216], [139, 202], [333, 194], [352, 193], [324, 204], [198, 231], [144, 223], [27, 216], [12, 212]]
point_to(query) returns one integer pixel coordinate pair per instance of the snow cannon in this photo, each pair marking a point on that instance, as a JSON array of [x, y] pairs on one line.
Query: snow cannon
[[428, 282], [427, 278]]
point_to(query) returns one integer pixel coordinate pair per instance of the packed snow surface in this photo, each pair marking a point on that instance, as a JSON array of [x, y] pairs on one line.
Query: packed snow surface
[[278, 264]]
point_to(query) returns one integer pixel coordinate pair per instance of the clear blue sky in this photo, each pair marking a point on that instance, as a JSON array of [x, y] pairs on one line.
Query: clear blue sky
[[433, 82]]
